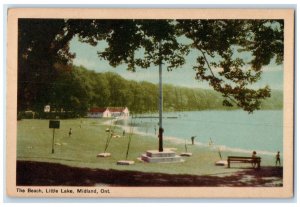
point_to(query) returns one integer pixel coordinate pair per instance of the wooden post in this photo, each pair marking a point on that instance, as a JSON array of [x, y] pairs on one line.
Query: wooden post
[[53, 141]]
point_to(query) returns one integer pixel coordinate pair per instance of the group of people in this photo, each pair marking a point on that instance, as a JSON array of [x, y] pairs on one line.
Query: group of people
[[277, 158]]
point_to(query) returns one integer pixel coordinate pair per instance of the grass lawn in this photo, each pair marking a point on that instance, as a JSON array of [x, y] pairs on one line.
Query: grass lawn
[[34, 142]]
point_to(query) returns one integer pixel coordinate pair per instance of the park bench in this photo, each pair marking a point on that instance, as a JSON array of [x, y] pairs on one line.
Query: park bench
[[253, 160]]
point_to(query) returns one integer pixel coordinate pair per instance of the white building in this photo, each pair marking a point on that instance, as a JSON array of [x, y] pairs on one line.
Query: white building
[[98, 113], [108, 112], [119, 111]]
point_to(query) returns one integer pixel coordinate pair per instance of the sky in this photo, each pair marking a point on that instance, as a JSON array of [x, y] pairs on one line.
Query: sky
[[86, 55]]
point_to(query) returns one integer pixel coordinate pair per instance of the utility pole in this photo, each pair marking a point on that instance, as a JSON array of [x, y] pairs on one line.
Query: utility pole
[[161, 130]]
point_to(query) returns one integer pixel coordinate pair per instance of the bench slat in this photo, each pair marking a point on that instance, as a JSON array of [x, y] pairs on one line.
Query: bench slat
[[255, 160], [244, 157]]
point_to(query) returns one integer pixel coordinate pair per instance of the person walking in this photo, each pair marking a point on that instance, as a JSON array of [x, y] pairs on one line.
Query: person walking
[[278, 159]]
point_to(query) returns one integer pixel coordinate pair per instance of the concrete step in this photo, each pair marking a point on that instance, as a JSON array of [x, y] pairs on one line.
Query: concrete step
[[175, 158]]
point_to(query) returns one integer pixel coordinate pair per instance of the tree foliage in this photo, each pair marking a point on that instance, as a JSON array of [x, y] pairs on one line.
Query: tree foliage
[[43, 52], [218, 41], [81, 89], [219, 44]]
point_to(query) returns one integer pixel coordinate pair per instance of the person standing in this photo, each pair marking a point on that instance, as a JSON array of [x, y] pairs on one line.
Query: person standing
[[193, 139], [278, 159], [70, 132]]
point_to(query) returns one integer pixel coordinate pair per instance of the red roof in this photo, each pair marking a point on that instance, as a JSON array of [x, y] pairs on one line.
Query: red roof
[[94, 110]]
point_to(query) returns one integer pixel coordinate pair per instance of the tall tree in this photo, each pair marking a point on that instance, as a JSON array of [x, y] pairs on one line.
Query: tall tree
[[42, 51], [220, 45]]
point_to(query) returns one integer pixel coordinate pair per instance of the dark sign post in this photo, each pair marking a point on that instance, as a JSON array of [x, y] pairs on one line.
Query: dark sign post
[[53, 124]]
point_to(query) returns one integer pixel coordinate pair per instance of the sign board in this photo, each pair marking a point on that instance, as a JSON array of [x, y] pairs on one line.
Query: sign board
[[54, 124], [47, 108]]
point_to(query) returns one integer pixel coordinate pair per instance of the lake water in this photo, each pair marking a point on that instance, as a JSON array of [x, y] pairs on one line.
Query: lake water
[[230, 130]]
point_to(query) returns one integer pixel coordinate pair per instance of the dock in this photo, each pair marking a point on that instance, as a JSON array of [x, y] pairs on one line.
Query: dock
[[154, 117]]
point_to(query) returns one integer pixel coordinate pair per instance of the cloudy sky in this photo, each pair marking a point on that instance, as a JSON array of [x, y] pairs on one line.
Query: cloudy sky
[[86, 55]]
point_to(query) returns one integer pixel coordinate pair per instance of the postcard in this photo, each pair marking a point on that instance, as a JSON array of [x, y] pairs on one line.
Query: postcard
[[150, 103]]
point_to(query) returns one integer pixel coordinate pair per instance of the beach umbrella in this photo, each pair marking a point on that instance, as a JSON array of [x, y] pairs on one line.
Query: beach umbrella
[[108, 139], [126, 161], [220, 155], [210, 142], [129, 139], [185, 154]]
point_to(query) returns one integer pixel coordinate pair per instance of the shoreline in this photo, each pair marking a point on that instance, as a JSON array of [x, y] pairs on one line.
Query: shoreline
[[181, 141]]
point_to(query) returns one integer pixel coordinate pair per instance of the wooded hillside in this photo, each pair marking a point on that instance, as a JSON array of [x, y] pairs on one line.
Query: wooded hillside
[[79, 89]]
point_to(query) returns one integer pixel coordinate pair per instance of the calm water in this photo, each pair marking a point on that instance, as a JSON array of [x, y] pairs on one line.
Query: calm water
[[233, 130]]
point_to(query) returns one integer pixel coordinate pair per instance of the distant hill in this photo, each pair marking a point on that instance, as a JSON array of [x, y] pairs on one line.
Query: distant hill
[[274, 102], [110, 89]]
